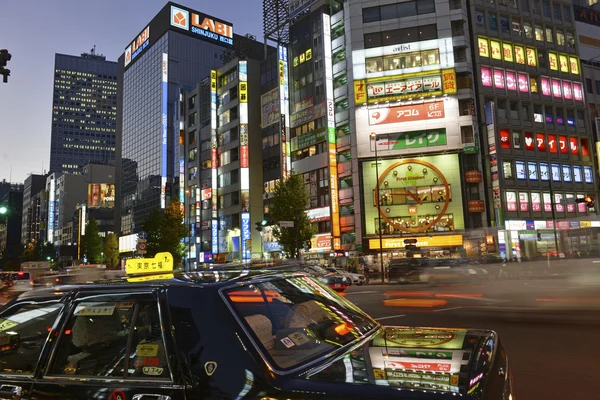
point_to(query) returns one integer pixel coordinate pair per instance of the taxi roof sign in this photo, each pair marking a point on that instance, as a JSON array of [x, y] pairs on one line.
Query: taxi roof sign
[[161, 263]]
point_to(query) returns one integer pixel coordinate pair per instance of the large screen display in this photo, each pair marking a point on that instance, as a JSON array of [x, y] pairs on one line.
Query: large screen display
[[101, 195]]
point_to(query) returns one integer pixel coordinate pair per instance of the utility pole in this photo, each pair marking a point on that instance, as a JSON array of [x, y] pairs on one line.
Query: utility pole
[[5, 57]]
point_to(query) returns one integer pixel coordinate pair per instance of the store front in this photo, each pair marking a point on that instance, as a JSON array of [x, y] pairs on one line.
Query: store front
[[435, 246]]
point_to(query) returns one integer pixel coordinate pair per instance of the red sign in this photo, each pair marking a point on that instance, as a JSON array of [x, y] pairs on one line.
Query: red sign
[[541, 141], [418, 112], [529, 145], [552, 145], [498, 78], [574, 146], [562, 143], [585, 150], [511, 80], [437, 367], [523, 83], [473, 176], [244, 157], [504, 139], [475, 206]]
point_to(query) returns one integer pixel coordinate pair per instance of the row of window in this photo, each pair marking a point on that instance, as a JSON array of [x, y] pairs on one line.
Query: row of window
[[523, 83], [270, 141], [400, 36], [398, 10], [544, 143], [309, 151], [523, 29], [404, 60], [534, 171], [551, 115], [538, 202]]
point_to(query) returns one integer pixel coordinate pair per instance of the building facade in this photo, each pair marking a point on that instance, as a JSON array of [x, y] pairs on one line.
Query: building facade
[[10, 222], [83, 112], [220, 145], [32, 225], [174, 52], [537, 142]]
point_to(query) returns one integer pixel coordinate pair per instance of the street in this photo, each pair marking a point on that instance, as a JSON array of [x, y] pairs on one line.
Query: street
[[548, 326]]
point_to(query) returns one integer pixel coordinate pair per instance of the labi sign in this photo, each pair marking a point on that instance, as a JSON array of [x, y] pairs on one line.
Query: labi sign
[[411, 140], [203, 25]]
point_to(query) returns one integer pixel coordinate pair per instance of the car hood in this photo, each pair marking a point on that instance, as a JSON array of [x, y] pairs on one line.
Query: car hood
[[455, 361]]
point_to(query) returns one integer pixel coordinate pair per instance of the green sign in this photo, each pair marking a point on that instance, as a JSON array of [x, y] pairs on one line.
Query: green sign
[[474, 149], [309, 139], [412, 140]]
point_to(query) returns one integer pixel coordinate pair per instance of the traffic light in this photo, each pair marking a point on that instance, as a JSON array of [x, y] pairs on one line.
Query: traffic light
[[5, 57], [264, 222], [3, 210], [259, 226]]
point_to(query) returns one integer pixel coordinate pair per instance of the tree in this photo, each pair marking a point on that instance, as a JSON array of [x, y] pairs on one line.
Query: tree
[[289, 197], [173, 232], [45, 251], [111, 250], [29, 253], [153, 228], [92, 243], [166, 231]]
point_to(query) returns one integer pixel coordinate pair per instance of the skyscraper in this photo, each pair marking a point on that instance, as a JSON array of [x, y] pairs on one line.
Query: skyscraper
[[83, 112], [174, 52]]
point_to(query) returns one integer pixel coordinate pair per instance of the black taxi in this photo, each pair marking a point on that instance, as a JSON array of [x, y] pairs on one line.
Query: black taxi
[[231, 335]]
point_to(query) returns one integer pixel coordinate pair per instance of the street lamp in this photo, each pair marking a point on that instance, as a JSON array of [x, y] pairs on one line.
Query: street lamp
[[374, 137], [3, 210]]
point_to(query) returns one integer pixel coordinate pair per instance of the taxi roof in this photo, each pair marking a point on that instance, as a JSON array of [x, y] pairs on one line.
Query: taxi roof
[[207, 278]]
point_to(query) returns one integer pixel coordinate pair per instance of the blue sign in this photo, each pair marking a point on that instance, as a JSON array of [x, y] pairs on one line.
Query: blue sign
[[574, 224], [560, 121], [142, 235], [530, 225], [570, 122], [549, 119], [272, 247], [245, 235], [215, 236]]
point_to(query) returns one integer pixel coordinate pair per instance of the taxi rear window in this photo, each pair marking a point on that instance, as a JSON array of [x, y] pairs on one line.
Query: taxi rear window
[[113, 339]]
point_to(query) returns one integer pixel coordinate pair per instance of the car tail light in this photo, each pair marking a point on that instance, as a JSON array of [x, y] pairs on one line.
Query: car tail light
[[31, 283], [20, 274]]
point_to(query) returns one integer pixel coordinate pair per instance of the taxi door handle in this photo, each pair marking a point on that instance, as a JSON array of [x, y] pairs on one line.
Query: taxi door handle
[[10, 392], [146, 396]]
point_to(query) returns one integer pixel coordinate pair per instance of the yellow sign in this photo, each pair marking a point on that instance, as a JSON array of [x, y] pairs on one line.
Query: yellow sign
[[308, 54], [585, 224], [360, 92], [484, 49], [281, 73], [146, 350], [495, 49], [296, 61], [574, 65], [422, 241], [302, 58], [531, 57], [243, 92], [564, 63], [520, 54], [213, 80], [553, 61], [161, 277], [508, 52], [449, 81], [161, 263]]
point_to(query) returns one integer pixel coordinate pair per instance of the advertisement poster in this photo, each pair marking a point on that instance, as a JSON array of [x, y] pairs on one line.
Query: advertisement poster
[[396, 87], [101, 195], [411, 140], [438, 338], [486, 76], [536, 204], [417, 112], [270, 108], [511, 201], [523, 83]]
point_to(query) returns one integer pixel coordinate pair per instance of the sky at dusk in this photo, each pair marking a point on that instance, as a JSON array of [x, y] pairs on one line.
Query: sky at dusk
[[34, 30]]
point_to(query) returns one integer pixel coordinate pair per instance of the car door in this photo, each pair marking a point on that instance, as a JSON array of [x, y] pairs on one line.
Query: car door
[[25, 327], [112, 346]]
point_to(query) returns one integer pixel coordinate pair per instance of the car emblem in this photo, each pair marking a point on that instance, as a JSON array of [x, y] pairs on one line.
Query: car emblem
[[210, 367]]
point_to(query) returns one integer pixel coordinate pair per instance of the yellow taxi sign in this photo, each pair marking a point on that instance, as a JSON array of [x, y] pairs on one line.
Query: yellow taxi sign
[[160, 277], [161, 263]]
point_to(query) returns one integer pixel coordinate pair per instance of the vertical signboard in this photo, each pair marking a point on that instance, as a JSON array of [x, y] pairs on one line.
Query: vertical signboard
[[246, 253], [490, 120], [333, 178], [51, 211], [243, 115], [215, 236], [213, 140], [285, 113], [165, 88]]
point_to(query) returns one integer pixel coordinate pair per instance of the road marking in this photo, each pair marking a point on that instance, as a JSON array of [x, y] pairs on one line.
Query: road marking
[[390, 317], [447, 309], [364, 292]]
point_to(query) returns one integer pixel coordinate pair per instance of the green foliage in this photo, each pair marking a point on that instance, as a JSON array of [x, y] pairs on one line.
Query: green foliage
[[111, 250], [29, 253], [166, 232], [92, 243], [289, 201]]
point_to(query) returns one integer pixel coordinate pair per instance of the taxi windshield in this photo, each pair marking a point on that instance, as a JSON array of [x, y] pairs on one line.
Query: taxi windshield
[[297, 320]]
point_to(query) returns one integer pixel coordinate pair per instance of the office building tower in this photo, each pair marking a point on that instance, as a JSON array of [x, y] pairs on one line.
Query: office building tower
[[32, 225], [83, 112], [174, 52], [10, 222]]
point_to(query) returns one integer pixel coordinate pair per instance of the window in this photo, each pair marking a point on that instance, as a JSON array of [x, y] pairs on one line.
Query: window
[[25, 328], [549, 35], [546, 9], [528, 30], [407, 9], [570, 40], [560, 38], [493, 22], [425, 6], [525, 112], [466, 133], [117, 337], [507, 169], [556, 12], [389, 11], [567, 13], [525, 5], [516, 139], [428, 32], [532, 171], [371, 14], [516, 27], [597, 87], [192, 119], [193, 153], [372, 40], [539, 33], [192, 137], [504, 27]]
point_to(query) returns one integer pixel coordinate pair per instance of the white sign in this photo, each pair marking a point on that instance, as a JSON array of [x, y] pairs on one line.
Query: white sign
[[444, 45], [318, 214], [286, 224]]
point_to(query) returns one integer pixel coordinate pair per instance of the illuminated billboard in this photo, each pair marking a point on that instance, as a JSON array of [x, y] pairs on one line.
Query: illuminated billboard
[[400, 87], [406, 122], [101, 195], [141, 42], [284, 117], [427, 55], [164, 113], [416, 195], [270, 108]]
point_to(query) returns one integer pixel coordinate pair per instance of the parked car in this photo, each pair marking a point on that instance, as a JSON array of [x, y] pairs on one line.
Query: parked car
[[232, 334], [435, 271], [356, 279]]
